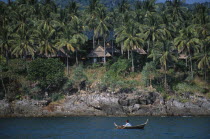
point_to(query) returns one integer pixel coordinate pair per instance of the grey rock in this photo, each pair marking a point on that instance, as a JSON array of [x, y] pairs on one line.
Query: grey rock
[[107, 104]]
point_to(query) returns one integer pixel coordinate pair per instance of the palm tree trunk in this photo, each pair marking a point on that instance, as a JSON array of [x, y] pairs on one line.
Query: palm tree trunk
[[165, 81], [122, 48], [76, 58], [186, 62], [147, 46], [132, 61], [150, 82], [25, 60], [67, 63], [205, 73], [112, 49], [2, 81], [104, 52], [191, 69], [128, 54], [93, 40], [7, 57]]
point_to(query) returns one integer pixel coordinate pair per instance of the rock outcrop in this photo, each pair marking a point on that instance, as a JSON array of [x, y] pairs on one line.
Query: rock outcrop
[[107, 104]]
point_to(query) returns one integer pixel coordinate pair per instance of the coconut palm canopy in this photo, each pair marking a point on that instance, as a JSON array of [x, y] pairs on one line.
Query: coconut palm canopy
[[143, 31]]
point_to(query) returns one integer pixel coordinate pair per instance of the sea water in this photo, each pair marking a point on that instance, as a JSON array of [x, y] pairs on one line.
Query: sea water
[[103, 128]]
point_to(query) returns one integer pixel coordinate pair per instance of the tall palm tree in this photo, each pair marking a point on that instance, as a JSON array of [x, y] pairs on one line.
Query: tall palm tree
[[102, 28], [23, 31], [188, 42], [65, 44], [78, 36], [91, 17], [123, 9], [24, 44], [123, 6], [6, 41], [203, 62], [149, 7], [163, 54], [45, 36], [130, 39], [203, 58], [176, 10], [152, 30], [200, 14]]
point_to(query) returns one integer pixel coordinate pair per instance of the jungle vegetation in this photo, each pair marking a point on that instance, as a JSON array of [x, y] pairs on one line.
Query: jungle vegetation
[[176, 38]]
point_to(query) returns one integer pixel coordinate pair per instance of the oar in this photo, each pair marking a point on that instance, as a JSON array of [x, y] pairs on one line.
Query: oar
[[115, 124], [146, 121]]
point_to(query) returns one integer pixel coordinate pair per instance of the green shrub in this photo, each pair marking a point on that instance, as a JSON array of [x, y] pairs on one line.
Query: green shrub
[[185, 87], [35, 90], [36, 93], [48, 72], [120, 68], [116, 71], [78, 76], [68, 85], [208, 95], [13, 90], [160, 88], [148, 73], [96, 65], [18, 66], [166, 96], [57, 96]]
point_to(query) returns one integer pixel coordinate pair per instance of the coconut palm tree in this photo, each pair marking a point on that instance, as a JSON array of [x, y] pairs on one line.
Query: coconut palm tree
[[188, 42], [200, 14], [45, 36], [23, 31], [130, 39], [91, 19], [203, 57], [78, 36], [203, 60], [102, 28], [163, 54], [24, 43], [6, 41], [151, 29], [65, 43], [176, 10]]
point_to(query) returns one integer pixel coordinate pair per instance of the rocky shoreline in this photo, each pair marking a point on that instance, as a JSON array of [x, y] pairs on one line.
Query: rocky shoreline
[[108, 104]]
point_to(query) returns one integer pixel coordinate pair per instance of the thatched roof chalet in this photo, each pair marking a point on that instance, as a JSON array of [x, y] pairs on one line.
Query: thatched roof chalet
[[183, 56], [99, 52], [140, 51]]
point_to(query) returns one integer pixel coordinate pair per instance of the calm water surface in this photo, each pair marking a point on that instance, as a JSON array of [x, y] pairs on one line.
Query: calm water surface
[[103, 128]]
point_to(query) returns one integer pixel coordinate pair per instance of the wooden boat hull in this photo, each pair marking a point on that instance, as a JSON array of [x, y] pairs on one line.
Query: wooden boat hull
[[132, 127]]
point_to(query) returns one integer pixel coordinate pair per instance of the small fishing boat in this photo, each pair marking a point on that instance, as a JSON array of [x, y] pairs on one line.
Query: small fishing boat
[[131, 127]]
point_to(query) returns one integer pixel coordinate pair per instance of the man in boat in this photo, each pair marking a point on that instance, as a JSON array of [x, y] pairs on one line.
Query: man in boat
[[127, 124]]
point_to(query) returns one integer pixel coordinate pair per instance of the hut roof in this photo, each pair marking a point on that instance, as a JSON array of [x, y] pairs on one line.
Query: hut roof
[[99, 52], [140, 51], [183, 56], [111, 49]]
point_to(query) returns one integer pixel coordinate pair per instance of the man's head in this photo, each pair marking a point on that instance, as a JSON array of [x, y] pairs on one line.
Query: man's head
[[127, 121]]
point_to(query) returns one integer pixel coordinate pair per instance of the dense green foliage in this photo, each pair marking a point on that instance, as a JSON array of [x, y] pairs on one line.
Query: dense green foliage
[[148, 73], [48, 72], [176, 40], [114, 76], [79, 77]]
